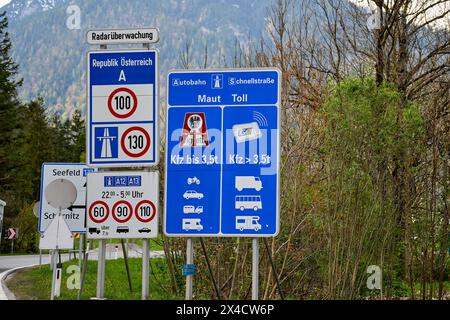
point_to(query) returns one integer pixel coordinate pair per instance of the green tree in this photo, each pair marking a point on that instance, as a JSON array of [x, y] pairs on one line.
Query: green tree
[[9, 108], [77, 137], [361, 137], [37, 148]]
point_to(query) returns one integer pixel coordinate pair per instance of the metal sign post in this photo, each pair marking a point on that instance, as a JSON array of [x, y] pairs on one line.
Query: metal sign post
[[255, 269], [101, 269], [127, 267], [13, 233], [83, 274], [101, 259], [145, 268], [189, 261], [80, 251], [54, 268]]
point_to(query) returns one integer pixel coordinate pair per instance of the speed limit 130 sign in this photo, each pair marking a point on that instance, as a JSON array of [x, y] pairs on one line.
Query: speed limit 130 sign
[[123, 108], [122, 205]]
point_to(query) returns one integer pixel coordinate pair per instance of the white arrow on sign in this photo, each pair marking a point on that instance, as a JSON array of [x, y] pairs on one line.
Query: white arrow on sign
[[12, 233]]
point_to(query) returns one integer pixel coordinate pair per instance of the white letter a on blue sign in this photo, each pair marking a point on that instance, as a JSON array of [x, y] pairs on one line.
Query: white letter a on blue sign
[[122, 76]]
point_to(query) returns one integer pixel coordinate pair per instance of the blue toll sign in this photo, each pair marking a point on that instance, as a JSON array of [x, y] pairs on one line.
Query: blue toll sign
[[222, 160]]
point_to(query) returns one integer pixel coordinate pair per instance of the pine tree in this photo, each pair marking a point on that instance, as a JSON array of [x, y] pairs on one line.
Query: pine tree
[[9, 107], [77, 137], [37, 148]]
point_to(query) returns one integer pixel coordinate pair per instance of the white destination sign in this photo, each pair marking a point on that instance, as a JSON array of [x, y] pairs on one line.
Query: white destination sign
[[75, 214]]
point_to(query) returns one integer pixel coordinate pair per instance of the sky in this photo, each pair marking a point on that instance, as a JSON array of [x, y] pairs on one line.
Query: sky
[[442, 23], [3, 2]]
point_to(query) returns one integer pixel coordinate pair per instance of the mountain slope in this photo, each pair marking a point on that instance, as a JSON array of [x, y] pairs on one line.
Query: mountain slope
[[52, 57]]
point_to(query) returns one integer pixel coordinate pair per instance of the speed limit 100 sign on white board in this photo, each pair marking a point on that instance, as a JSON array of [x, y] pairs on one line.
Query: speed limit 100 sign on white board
[[122, 205]]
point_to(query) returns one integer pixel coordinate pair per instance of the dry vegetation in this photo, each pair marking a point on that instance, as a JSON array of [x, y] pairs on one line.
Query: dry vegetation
[[365, 155]]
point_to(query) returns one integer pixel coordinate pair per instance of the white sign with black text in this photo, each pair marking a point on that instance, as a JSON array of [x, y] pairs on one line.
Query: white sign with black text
[[75, 214], [122, 205], [123, 36]]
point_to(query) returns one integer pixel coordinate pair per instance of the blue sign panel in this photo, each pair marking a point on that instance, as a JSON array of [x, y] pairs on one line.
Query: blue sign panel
[[122, 108], [222, 153], [122, 181]]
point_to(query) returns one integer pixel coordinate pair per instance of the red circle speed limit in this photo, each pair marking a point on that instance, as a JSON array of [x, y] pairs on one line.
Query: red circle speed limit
[[98, 211], [135, 142], [145, 211], [122, 211], [122, 103]]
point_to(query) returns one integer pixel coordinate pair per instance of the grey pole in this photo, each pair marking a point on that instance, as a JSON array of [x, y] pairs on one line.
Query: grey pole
[[50, 253], [101, 269], [189, 260], [145, 268], [54, 259], [83, 275], [40, 256], [101, 260], [255, 269], [80, 251]]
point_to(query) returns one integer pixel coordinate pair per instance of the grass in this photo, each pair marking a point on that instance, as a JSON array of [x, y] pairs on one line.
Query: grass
[[35, 283], [155, 244]]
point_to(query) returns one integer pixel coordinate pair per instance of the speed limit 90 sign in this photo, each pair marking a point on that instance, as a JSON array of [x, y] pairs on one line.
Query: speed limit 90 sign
[[122, 117], [122, 204]]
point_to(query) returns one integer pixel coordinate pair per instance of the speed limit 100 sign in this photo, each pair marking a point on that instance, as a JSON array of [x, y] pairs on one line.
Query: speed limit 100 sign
[[122, 205], [123, 112]]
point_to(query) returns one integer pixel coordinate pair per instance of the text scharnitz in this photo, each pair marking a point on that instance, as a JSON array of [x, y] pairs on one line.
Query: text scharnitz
[[123, 63]]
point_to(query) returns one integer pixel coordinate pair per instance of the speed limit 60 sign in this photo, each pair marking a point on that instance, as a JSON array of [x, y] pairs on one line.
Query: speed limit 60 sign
[[122, 205], [123, 114]]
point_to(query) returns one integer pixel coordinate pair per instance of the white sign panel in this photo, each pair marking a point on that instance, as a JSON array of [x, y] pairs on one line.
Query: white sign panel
[[75, 214], [57, 236], [141, 35], [122, 205]]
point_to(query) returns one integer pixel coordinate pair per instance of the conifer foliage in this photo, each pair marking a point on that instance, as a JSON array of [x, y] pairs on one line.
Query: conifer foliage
[[29, 136]]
